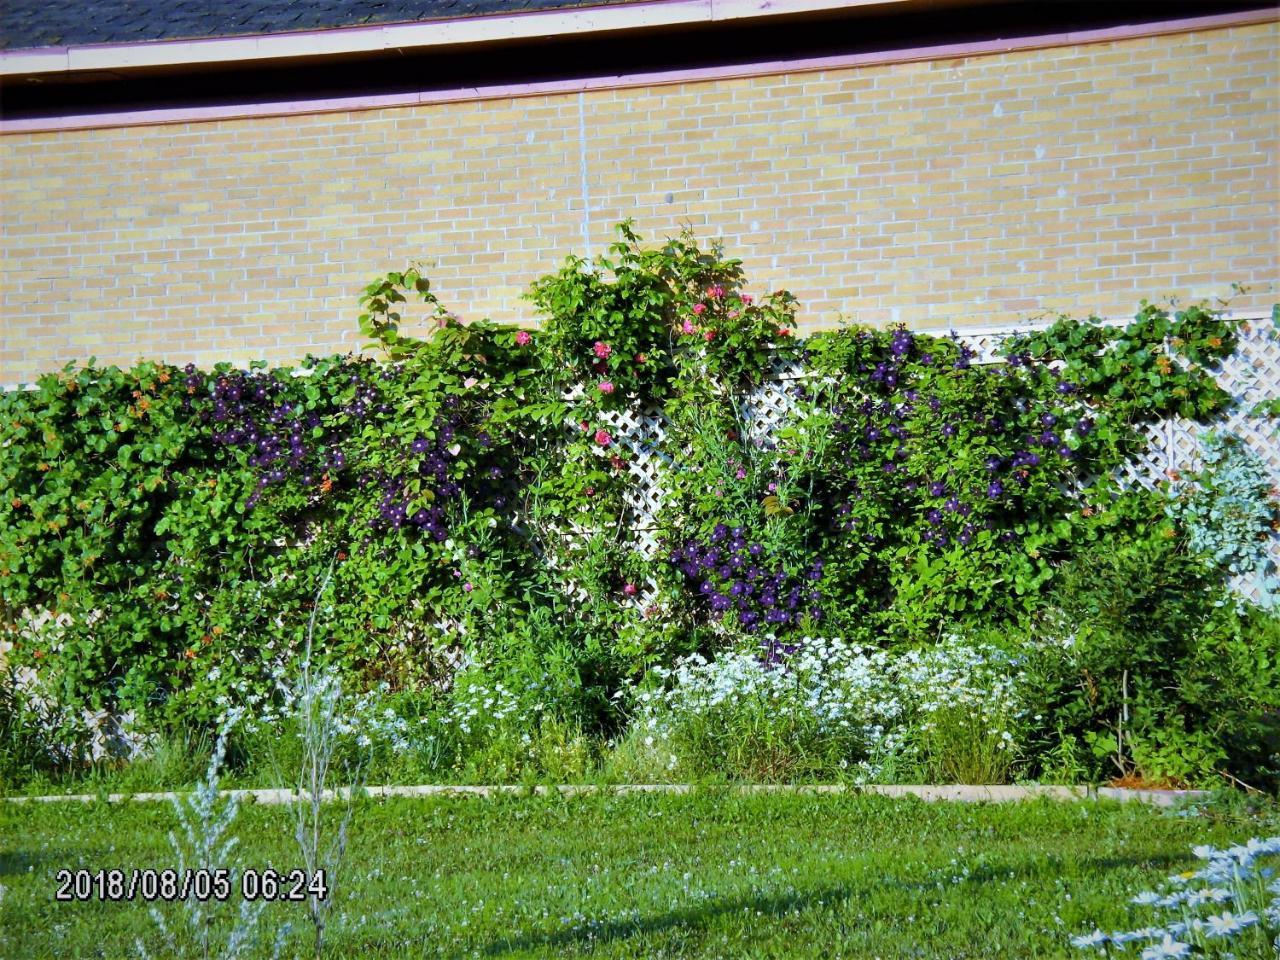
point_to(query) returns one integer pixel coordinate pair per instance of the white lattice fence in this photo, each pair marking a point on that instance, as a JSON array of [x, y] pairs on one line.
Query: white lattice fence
[[1251, 375]]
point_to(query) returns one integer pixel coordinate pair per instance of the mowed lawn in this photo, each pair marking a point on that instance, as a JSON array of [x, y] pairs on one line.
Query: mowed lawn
[[705, 875]]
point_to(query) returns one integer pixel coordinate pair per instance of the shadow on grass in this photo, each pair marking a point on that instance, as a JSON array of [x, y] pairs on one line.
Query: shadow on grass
[[14, 863], [779, 906]]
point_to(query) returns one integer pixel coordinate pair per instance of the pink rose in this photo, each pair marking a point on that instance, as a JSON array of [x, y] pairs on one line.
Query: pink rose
[[716, 292], [699, 308], [688, 327], [523, 338], [747, 299], [784, 332], [602, 350], [641, 358], [709, 336], [605, 387], [584, 426], [630, 590], [603, 438]]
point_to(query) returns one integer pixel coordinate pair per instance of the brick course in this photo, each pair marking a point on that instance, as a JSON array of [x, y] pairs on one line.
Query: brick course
[[964, 191]]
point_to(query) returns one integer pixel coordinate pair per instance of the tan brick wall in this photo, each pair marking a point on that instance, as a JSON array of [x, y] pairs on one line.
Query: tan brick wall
[[980, 190]]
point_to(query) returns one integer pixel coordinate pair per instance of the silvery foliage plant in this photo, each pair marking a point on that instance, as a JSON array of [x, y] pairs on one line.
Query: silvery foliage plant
[[204, 845], [335, 734], [1229, 907], [1228, 510], [318, 704], [364, 719]]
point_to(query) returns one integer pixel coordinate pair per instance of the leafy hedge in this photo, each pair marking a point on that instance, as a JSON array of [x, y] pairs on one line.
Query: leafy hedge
[[163, 530]]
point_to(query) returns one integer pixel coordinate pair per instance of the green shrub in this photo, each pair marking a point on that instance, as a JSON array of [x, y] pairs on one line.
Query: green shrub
[[1142, 656]]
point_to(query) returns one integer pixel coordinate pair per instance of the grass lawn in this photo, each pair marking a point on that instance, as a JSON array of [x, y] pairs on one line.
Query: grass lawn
[[706, 875]]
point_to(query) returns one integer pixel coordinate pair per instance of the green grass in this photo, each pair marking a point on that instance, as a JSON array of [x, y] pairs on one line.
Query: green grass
[[707, 875]]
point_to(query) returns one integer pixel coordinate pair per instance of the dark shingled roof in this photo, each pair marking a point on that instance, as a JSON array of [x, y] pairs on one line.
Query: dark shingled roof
[[26, 24]]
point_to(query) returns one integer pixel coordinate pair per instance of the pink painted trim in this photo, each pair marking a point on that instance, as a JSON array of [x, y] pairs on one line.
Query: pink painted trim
[[406, 36], [662, 78]]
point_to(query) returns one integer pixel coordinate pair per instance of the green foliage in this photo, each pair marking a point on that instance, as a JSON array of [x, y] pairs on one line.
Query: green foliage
[[1144, 659], [163, 530], [1154, 367]]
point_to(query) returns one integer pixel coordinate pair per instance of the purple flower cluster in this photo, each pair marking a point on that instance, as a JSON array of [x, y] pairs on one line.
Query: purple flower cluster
[[249, 411], [443, 472], [393, 510], [728, 574], [774, 653], [906, 430]]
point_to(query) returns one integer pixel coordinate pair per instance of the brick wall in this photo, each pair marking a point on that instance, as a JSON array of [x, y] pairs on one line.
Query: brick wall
[[980, 190]]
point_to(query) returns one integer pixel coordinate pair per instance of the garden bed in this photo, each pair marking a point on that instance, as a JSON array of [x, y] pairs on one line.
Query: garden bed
[[658, 540]]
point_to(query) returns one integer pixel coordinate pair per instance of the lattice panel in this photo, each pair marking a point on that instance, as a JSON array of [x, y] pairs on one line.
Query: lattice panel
[[1252, 375], [767, 409]]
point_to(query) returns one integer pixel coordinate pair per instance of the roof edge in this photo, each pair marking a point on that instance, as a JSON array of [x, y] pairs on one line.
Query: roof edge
[[315, 44], [197, 114]]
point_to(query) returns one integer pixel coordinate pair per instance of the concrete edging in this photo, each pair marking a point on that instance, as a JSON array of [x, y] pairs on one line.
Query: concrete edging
[[955, 793]]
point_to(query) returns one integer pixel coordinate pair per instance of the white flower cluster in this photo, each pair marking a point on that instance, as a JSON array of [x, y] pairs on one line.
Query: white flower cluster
[[483, 707], [363, 718], [869, 697], [1243, 877], [978, 681]]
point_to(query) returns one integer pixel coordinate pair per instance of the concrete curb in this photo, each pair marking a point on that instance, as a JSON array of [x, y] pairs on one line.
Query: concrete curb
[[955, 793]]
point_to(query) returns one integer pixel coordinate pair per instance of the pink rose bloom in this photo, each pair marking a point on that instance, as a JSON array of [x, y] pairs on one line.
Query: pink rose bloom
[[641, 358], [629, 589], [605, 387], [716, 292], [523, 338], [733, 314], [584, 426], [603, 438], [709, 336], [602, 350], [699, 308], [784, 332], [688, 327], [747, 299], [468, 587]]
